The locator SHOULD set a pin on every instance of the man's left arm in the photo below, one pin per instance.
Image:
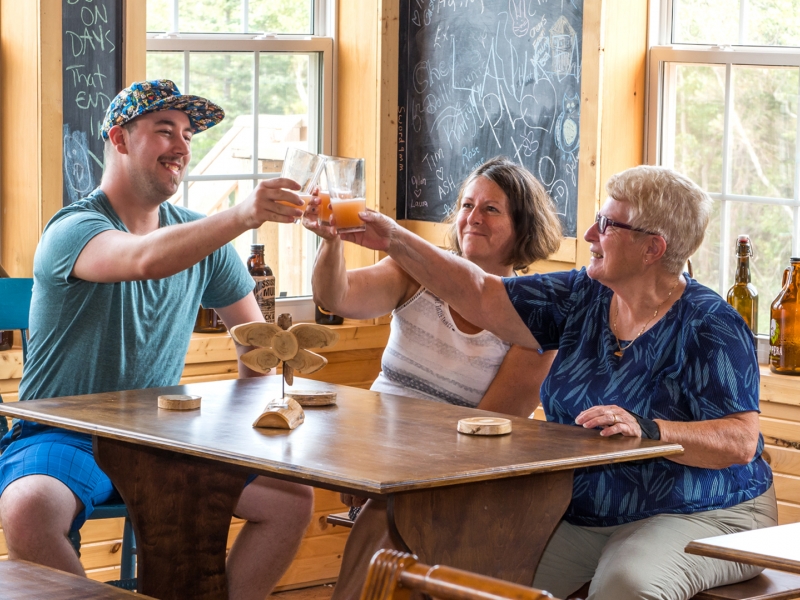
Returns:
(245, 310)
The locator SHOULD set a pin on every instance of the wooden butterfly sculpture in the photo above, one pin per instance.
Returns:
(287, 343)
(284, 342)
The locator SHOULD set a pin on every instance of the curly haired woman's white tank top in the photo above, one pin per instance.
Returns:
(428, 357)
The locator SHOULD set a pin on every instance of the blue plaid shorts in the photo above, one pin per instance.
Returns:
(65, 455)
(68, 457)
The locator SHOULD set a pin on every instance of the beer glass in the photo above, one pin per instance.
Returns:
(347, 186)
(304, 168)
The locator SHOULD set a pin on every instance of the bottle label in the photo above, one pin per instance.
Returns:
(265, 296)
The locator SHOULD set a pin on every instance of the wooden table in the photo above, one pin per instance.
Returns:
(482, 504)
(772, 547)
(23, 580)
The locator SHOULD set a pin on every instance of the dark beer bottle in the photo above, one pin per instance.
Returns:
(265, 282)
(743, 296)
(784, 326)
(6, 337)
(323, 317)
(208, 321)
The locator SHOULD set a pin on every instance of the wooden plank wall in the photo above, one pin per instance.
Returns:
(780, 426)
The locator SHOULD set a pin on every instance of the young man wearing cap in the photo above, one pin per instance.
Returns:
(118, 277)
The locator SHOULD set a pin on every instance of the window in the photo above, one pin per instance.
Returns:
(269, 67)
(724, 82)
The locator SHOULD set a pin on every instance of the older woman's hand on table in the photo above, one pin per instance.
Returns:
(612, 419)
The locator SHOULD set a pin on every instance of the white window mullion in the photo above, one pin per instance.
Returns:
(175, 17)
(669, 110)
(186, 59)
(743, 6)
(795, 210)
(725, 224)
(256, 121)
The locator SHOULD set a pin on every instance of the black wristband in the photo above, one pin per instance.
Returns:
(650, 430)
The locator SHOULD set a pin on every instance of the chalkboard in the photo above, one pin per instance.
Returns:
(481, 78)
(92, 63)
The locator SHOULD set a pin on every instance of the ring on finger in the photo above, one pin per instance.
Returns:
(614, 416)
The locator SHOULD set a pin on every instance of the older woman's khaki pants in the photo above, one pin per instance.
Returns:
(645, 559)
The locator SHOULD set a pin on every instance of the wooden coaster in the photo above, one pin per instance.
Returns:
(179, 402)
(312, 398)
(484, 426)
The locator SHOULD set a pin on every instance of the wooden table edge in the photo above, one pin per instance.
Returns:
(750, 558)
(337, 483)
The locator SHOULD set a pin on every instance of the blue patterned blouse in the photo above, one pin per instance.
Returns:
(696, 363)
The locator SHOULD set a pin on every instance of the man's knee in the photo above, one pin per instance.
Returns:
(274, 501)
(36, 505)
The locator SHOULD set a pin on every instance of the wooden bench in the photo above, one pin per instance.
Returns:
(27, 581)
(770, 585)
(392, 575)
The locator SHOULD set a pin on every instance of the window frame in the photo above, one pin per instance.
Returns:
(663, 58)
(322, 21)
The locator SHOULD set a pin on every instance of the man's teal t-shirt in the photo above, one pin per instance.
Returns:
(99, 337)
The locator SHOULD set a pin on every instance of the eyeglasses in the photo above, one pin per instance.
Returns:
(604, 222)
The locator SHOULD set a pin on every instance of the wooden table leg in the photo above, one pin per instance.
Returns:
(180, 507)
(497, 528)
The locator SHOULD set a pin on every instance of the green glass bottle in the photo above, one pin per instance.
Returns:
(743, 296)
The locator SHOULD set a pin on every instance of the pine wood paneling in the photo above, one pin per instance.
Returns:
(781, 389)
(783, 460)
(20, 126)
(357, 97)
(787, 487)
(780, 430)
(592, 62)
(134, 42)
(788, 512)
(779, 411)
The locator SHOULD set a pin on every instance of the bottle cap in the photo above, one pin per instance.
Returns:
(795, 259)
(743, 239)
(256, 248)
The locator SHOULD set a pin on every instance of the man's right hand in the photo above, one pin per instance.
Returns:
(262, 204)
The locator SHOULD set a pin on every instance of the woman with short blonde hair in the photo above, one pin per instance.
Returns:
(644, 351)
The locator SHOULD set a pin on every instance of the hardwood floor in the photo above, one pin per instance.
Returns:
(318, 592)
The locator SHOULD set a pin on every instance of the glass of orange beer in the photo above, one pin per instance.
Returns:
(347, 186)
(304, 168)
(325, 211)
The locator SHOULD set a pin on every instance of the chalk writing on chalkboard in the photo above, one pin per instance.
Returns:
(481, 78)
(92, 62)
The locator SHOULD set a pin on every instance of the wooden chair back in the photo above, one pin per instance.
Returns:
(394, 575)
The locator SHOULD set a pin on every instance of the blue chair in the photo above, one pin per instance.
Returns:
(15, 303)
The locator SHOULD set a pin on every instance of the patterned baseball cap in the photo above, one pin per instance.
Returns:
(160, 94)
